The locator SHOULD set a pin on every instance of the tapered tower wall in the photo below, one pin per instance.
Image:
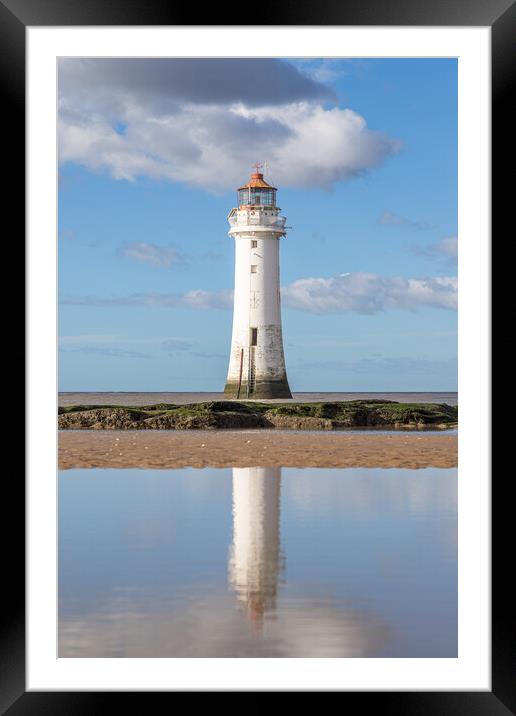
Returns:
(257, 305)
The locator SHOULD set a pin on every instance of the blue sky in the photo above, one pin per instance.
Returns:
(364, 155)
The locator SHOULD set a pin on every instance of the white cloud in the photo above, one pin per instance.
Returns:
(324, 70)
(162, 83)
(325, 146)
(369, 293)
(392, 220)
(151, 124)
(446, 248)
(196, 298)
(364, 293)
(208, 299)
(143, 252)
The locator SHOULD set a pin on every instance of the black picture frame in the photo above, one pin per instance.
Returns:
(15, 16)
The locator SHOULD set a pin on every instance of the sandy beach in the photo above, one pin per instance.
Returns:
(247, 448)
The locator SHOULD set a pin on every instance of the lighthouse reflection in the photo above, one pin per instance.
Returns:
(190, 563)
(255, 559)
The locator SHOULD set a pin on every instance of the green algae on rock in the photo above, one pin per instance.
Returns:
(233, 415)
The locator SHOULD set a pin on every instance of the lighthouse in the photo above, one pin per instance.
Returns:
(257, 362)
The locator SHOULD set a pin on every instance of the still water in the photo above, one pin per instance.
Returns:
(258, 562)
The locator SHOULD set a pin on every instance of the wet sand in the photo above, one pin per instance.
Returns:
(250, 448)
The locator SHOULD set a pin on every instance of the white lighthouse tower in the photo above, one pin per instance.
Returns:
(257, 362)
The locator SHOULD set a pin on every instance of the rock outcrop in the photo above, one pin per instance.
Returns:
(240, 415)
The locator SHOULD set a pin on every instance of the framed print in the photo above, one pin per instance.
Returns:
(267, 476)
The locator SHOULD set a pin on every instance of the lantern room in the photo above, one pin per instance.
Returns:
(257, 192)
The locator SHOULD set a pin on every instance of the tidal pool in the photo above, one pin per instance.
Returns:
(258, 562)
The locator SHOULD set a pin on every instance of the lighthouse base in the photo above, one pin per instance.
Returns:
(274, 389)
